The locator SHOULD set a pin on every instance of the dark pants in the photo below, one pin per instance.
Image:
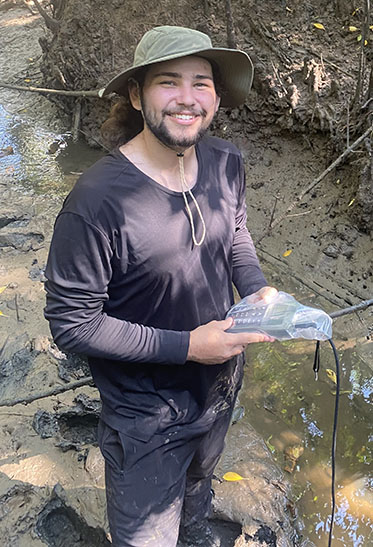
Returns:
(151, 485)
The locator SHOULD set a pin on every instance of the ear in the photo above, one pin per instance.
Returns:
(134, 94)
(217, 103)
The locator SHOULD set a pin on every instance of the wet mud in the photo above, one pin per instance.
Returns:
(51, 470)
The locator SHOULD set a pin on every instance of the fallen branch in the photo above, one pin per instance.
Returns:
(351, 309)
(76, 119)
(42, 395)
(314, 183)
(68, 93)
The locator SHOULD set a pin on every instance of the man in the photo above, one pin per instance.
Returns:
(140, 275)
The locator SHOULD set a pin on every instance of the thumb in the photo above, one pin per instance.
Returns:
(226, 323)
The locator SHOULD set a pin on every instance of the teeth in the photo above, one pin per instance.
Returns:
(183, 116)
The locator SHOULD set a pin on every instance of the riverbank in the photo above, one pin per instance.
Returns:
(51, 472)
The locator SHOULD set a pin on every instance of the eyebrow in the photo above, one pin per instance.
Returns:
(178, 75)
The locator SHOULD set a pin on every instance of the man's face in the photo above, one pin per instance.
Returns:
(179, 101)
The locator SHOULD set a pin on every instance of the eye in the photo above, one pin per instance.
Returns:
(168, 82)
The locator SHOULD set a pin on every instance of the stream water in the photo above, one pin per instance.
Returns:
(280, 397)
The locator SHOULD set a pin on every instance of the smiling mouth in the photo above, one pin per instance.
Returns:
(184, 117)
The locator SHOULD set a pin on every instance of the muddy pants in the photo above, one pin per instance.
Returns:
(151, 485)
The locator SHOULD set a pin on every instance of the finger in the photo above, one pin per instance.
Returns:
(225, 324)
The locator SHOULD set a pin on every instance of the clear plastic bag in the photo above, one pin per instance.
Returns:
(283, 318)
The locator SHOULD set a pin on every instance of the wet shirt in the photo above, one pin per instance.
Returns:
(125, 283)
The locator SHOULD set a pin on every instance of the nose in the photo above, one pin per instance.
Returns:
(186, 95)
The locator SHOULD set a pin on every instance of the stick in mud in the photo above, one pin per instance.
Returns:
(315, 183)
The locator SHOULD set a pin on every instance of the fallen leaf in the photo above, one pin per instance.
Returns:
(270, 446)
(288, 9)
(331, 375)
(353, 29)
(319, 25)
(351, 202)
(231, 476)
(359, 38)
(27, 80)
(3, 314)
(2, 289)
(287, 253)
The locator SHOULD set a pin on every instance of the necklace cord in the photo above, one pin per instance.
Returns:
(184, 188)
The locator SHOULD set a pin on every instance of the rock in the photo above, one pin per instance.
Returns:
(21, 241)
(262, 502)
(59, 524)
(332, 251)
(95, 466)
(45, 424)
(72, 427)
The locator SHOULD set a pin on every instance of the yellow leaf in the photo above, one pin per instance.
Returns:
(27, 80)
(351, 202)
(288, 9)
(319, 25)
(331, 375)
(3, 314)
(2, 289)
(315, 498)
(353, 29)
(232, 476)
(371, 27)
(359, 38)
(287, 253)
(365, 42)
(30, 59)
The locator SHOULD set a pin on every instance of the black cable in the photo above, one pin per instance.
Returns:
(334, 438)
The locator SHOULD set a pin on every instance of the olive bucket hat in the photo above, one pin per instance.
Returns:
(168, 42)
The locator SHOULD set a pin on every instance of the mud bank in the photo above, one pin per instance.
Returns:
(51, 470)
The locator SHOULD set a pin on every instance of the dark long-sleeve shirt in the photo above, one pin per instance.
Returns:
(125, 284)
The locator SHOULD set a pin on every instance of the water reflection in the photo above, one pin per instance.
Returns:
(286, 405)
(42, 162)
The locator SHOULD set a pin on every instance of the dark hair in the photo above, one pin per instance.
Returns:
(125, 122)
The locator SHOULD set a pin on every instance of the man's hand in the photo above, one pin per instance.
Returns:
(265, 293)
(210, 345)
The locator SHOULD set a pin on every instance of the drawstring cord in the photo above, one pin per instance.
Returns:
(184, 188)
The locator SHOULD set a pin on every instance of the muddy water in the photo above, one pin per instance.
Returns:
(42, 161)
(280, 397)
(294, 413)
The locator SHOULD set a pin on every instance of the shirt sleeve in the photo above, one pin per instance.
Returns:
(247, 274)
(78, 273)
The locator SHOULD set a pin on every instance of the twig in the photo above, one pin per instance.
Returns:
(16, 306)
(360, 77)
(273, 212)
(49, 393)
(300, 214)
(231, 37)
(351, 309)
(68, 93)
(50, 22)
(314, 183)
(76, 119)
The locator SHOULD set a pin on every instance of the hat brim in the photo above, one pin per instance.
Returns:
(236, 70)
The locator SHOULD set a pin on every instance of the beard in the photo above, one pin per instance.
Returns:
(162, 133)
